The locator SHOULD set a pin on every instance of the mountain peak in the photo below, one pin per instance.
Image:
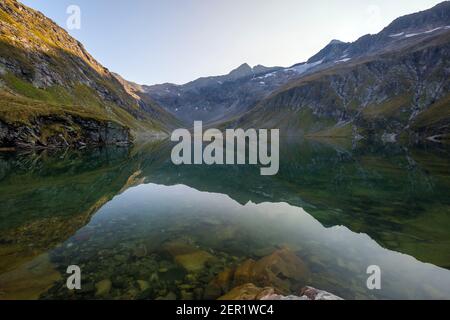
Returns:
(242, 71)
(335, 41)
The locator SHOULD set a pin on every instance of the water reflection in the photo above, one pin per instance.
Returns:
(124, 214)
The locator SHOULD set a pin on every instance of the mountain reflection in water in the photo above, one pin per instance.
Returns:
(123, 215)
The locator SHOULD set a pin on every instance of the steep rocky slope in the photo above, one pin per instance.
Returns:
(387, 86)
(54, 93)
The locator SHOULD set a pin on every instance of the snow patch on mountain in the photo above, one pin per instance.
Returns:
(409, 35)
(304, 67)
(343, 60)
(397, 35)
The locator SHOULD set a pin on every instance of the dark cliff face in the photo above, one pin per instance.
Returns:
(58, 132)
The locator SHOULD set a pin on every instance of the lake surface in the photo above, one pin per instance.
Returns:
(140, 227)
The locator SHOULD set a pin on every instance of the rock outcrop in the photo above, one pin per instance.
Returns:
(390, 85)
(251, 292)
(282, 270)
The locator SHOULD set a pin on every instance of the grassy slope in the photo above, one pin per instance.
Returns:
(21, 101)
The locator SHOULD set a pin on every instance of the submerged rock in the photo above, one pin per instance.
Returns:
(220, 284)
(283, 270)
(140, 251)
(103, 288)
(248, 292)
(315, 294)
(189, 257)
(170, 296)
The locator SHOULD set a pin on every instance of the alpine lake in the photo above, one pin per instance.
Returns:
(140, 227)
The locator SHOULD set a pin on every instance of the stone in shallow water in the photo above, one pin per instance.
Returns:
(251, 292)
(103, 288)
(219, 285)
(170, 296)
(140, 251)
(194, 261)
(186, 295)
(282, 270)
(248, 292)
(244, 272)
(143, 285)
(188, 256)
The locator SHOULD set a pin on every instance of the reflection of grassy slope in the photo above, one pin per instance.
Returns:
(46, 199)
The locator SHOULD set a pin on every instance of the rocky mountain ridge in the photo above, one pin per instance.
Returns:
(401, 94)
(375, 80)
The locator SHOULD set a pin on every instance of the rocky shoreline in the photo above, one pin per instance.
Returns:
(62, 132)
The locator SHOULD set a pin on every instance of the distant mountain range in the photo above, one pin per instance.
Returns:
(389, 86)
(215, 98)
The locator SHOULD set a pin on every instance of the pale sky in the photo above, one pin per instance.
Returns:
(157, 41)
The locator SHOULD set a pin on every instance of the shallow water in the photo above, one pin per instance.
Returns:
(142, 228)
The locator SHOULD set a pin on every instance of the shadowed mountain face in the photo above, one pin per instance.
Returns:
(387, 86)
(54, 93)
